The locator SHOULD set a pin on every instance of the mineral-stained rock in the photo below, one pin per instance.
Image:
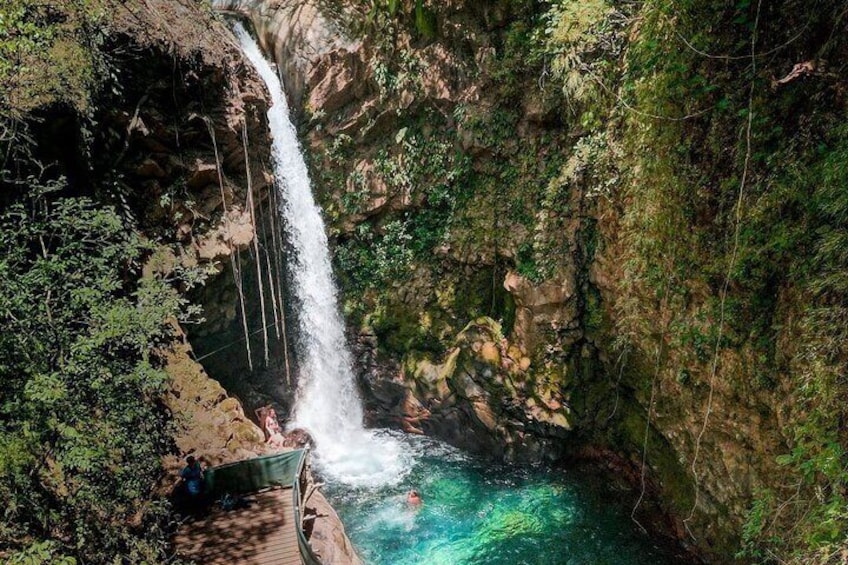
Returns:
(548, 304)
(235, 230)
(475, 400)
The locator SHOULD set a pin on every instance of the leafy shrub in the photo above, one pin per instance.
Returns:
(81, 429)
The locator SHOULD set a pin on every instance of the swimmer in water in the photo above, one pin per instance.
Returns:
(413, 498)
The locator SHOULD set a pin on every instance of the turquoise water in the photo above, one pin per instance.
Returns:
(476, 512)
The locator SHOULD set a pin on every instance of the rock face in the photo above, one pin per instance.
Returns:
(211, 425)
(480, 397)
(550, 304)
(190, 159)
(299, 36)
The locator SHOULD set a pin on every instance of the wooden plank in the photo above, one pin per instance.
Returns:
(288, 549)
(288, 555)
(262, 534)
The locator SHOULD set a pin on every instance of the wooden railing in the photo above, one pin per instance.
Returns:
(302, 485)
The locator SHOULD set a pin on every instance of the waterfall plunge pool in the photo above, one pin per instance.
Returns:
(478, 512)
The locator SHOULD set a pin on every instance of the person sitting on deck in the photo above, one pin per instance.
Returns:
(413, 498)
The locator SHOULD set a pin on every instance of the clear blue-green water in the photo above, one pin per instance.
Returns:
(477, 512)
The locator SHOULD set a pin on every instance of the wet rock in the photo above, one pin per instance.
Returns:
(327, 535)
(477, 397)
(298, 438)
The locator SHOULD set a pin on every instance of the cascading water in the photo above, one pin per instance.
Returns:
(327, 402)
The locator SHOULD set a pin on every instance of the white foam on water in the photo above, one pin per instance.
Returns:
(327, 402)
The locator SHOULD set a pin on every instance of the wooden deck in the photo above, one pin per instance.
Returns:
(262, 534)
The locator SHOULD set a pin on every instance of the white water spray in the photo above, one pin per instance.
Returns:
(327, 403)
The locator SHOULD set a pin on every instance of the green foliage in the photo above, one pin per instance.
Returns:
(41, 553)
(372, 259)
(81, 431)
(422, 171)
(49, 53)
(399, 74)
(526, 265)
(514, 60)
(420, 14)
(818, 460)
(684, 118)
(425, 20)
(583, 40)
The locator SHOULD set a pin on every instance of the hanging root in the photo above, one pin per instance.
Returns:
(235, 259)
(730, 266)
(621, 361)
(226, 346)
(268, 270)
(211, 129)
(280, 295)
(255, 240)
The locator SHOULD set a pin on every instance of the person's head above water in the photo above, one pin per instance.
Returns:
(413, 497)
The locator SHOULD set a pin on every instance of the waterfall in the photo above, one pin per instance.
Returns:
(327, 402)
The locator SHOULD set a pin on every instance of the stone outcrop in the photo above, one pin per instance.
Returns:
(551, 305)
(210, 424)
(480, 396)
(326, 535)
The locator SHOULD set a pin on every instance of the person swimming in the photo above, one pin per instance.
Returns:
(413, 498)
